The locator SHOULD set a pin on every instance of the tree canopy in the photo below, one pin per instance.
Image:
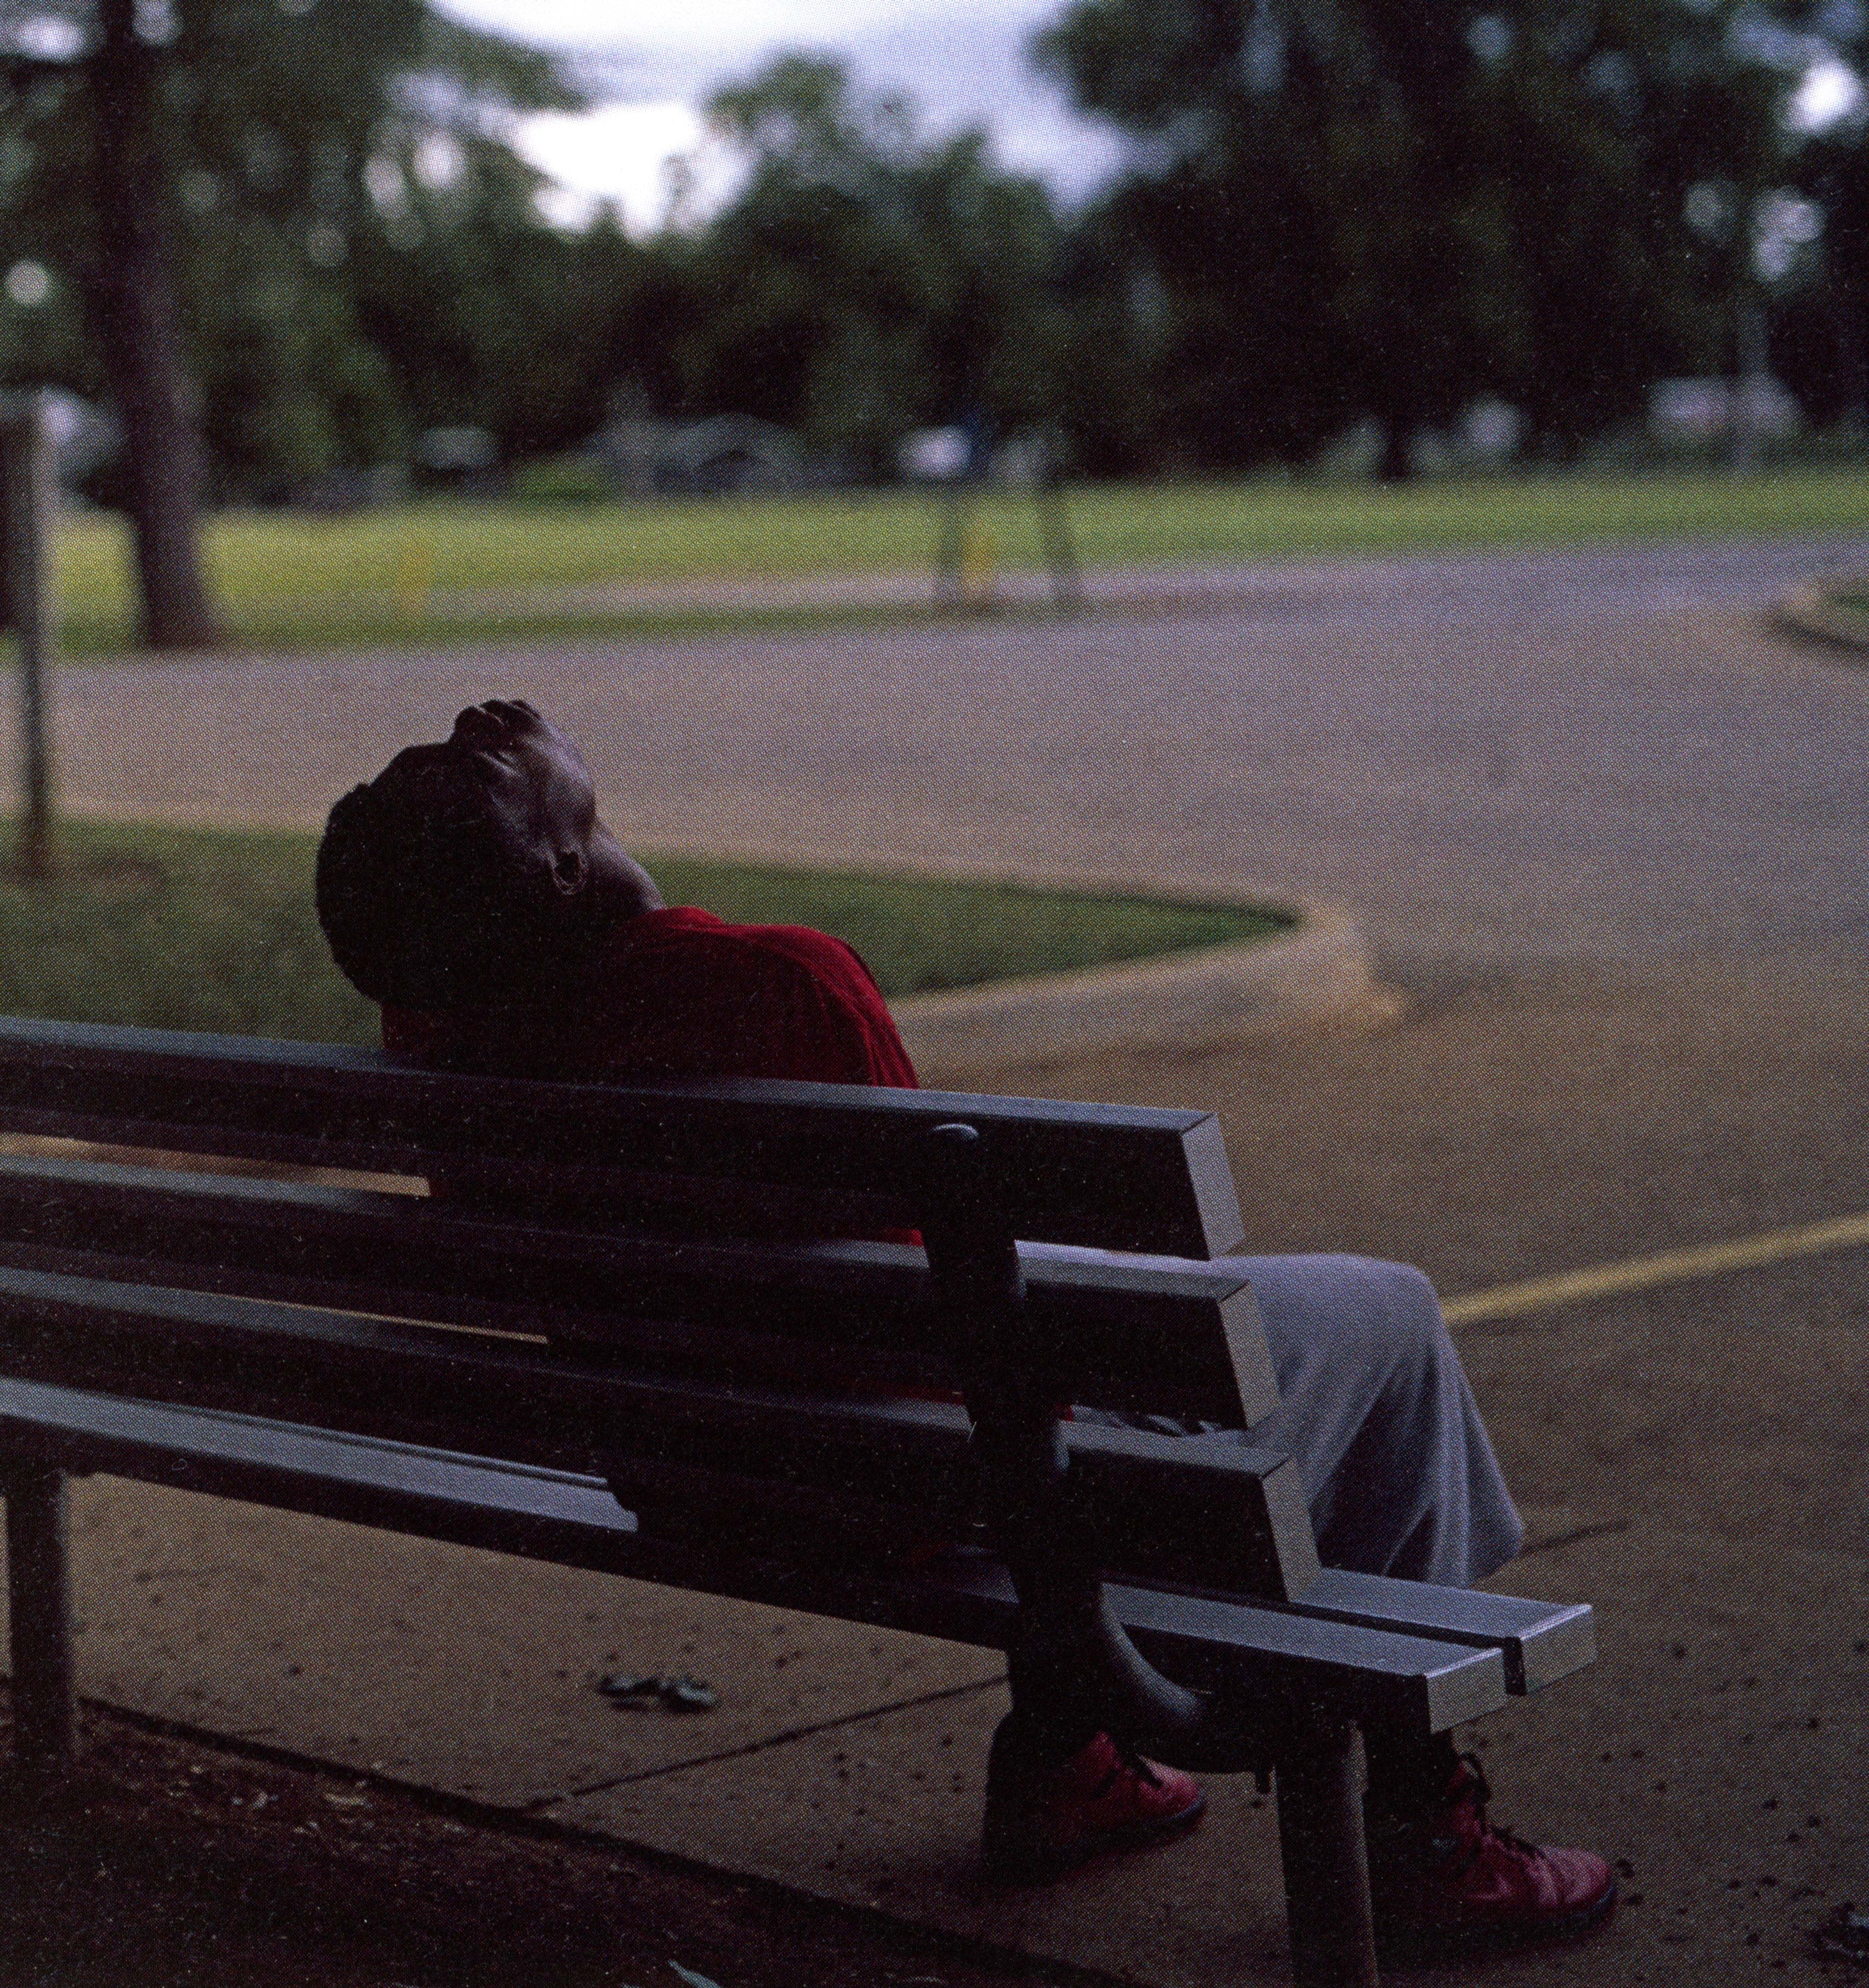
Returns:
(1386, 207)
(864, 281)
(322, 173)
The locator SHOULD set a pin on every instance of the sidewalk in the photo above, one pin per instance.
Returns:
(847, 1763)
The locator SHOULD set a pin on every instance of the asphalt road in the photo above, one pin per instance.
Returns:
(1606, 754)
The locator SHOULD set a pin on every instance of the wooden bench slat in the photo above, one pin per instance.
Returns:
(502, 1362)
(1163, 1335)
(1116, 1177)
(1289, 1661)
(1437, 1685)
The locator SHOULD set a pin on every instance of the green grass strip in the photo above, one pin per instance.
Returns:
(214, 929)
(419, 571)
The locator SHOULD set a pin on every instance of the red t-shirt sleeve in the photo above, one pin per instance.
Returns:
(836, 1027)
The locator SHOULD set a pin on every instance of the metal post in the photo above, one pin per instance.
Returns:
(951, 550)
(38, 1593)
(1320, 1782)
(1751, 368)
(1071, 1665)
(1055, 531)
(25, 505)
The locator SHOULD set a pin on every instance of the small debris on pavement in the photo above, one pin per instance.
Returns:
(625, 1686)
(1844, 1935)
(676, 1694)
(689, 1694)
(688, 1975)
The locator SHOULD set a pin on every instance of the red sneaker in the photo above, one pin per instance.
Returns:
(1452, 1883)
(1103, 1798)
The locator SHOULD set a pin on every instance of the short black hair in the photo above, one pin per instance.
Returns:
(419, 897)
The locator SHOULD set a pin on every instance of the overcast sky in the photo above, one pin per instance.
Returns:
(963, 61)
(652, 65)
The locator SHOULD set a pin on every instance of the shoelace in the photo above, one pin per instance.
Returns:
(1127, 1760)
(1480, 1794)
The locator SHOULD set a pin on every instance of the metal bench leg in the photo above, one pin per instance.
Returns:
(38, 1593)
(1320, 1781)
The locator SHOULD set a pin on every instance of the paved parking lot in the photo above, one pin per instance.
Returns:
(1603, 755)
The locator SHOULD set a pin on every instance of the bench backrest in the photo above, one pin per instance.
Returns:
(640, 1270)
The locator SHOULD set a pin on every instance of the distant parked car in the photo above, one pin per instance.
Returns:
(936, 456)
(1707, 410)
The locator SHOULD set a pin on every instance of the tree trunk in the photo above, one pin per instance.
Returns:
(131, 292)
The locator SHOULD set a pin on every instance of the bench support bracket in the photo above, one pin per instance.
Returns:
(1072, 1665)
(39, 1594)
(1320, 1782)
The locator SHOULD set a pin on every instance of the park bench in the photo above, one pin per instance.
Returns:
(604, 1343)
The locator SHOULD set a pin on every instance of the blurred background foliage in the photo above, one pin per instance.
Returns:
(1334, 212)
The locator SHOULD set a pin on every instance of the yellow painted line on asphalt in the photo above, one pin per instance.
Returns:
(1671, 1266)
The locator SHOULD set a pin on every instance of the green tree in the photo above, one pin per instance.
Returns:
(1820, 327)
(865, 281)
(199, 174)
(485, 316)
(1382, 207)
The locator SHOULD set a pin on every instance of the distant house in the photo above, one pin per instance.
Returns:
(463, 460)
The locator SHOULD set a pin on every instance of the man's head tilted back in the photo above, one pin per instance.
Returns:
(474, 872)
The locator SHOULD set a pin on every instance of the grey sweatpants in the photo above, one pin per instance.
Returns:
(1397, 1469)
(1377, 1412)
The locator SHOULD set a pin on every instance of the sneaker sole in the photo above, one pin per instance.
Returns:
(1028, 1868)
(1463, 1941)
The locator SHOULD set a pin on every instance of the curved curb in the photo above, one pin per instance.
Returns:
(1811, 611)
(1319, 973)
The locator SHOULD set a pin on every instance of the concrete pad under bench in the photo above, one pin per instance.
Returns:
(447, 1667)
(1729, 1705)
(1209, 1912)
(470, 1673)
(886, 1814)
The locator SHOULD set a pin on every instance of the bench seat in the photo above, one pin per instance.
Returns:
(1422, 1681)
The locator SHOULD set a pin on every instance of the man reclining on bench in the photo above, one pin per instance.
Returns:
(471, 890)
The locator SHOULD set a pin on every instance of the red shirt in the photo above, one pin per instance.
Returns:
(685, 995)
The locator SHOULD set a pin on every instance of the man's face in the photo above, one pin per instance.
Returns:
(537, 792)
(532, 880)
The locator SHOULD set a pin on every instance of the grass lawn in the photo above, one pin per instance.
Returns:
(214, 929)
(445, 568)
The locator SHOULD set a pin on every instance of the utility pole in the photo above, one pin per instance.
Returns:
(1752, 372)
(25, 605)
(1054, 526)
